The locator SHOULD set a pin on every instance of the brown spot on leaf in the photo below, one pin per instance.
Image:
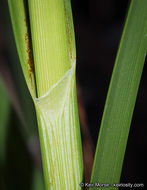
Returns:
(25, 20)
(28, 50)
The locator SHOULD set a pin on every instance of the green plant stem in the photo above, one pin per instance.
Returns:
(121, 97)
(49, 40)
(53, 56)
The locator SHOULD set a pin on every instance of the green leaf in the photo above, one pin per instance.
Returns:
(121, 97)
(20, 24)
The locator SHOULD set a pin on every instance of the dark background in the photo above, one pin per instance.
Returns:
(98, 26)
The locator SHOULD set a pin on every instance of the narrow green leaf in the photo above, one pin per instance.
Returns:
(121, 97)
(20, 23)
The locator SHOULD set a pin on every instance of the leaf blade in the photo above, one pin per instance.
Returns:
(121, 97)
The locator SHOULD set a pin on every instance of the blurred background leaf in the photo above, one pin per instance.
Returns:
(4, 120)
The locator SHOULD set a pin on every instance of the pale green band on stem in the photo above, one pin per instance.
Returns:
(59, 131)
